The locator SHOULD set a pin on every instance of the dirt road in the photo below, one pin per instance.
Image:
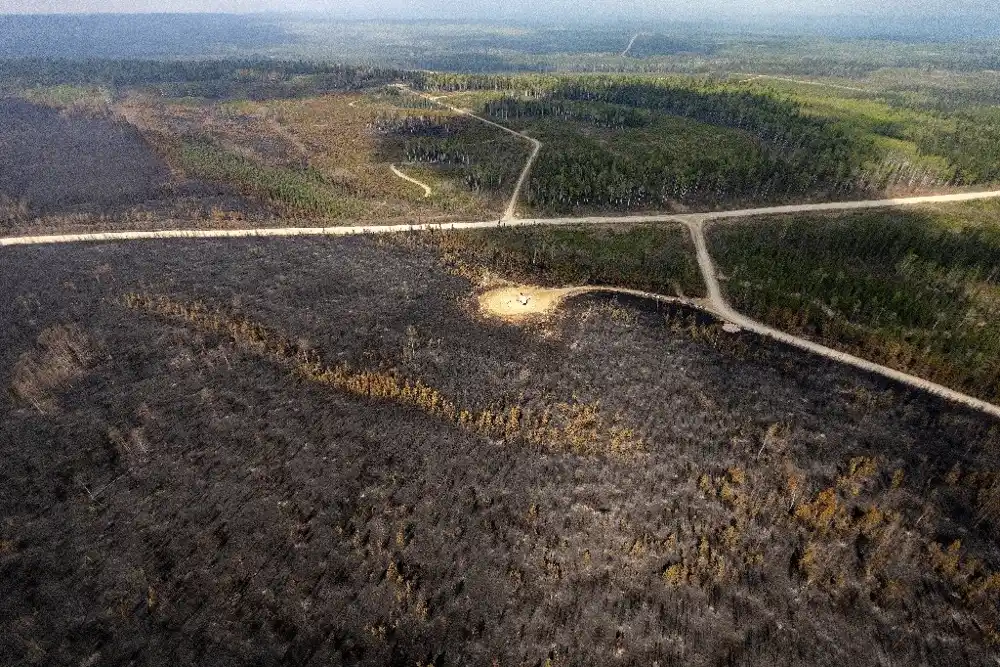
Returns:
(487, 224)
(630, 45)
(427, 189)
(718, 304)
(536, 147)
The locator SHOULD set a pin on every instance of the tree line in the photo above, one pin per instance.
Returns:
(134, 72)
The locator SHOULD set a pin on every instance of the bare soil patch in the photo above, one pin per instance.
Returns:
(516, 303)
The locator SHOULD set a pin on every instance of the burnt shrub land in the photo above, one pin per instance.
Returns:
(318, 452)
(50, 161)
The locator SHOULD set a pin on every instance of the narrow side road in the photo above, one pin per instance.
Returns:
(630, 45)
(427, 189)
(755, 77)
(536, 148)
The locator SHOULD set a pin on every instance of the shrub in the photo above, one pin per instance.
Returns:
(62, 356)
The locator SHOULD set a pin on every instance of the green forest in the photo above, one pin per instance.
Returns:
(616, 142)
(652, 258)
(918, 290)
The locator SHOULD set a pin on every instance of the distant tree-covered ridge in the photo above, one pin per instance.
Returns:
(201, 78)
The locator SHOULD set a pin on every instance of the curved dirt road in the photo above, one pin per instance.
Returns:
(536, 147)
(427, 189)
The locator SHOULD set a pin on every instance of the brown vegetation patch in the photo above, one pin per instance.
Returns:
(243, 128)
(326, 142)
(854, 539)
(580, 428)
(62, 356)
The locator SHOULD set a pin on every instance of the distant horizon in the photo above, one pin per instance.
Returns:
(572, 12)
(768, 17)
(849, 23)
(421, 16)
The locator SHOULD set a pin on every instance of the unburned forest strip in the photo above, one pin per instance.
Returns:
(650, 258)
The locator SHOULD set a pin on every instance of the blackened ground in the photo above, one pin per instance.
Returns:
(53, 161)
(180, 499)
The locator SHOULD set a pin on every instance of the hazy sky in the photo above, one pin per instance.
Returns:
(499, 9)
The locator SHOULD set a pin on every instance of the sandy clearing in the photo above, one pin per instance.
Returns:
(516, 303)
(520, 303)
